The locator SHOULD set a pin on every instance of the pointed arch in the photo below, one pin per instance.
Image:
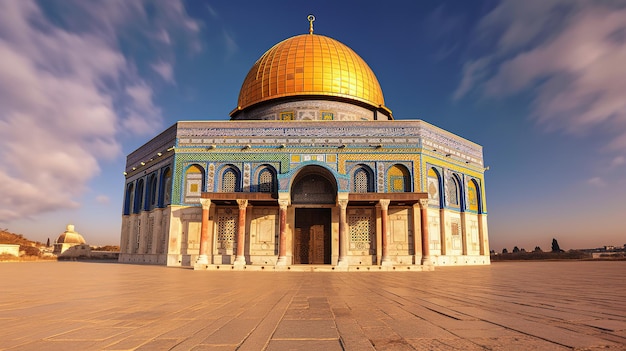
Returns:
(165, 191)
(453, 193)
(230, 181)
(128, 199)
(152, 192)
(398, 179)
(139, 197)
(314, 184)
(363, 179)
(473, 196)
(266, 180)
(434, 187)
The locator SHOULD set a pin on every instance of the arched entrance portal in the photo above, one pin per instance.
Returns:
(313, 195)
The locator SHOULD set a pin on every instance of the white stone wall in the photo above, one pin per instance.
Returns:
(263, 235)
(10, 249)
(144, 236)
(400, 241)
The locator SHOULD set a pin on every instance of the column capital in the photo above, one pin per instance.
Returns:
(242, 204)
(343, 203)
(384, 204)
(206, 203)
(283, 204)
(423, 203)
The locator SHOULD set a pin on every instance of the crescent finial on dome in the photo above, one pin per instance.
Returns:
(311, 19)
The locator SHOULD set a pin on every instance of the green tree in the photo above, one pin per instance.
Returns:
(538, 249)
(505, 251)
(515, 249)
(555, 246)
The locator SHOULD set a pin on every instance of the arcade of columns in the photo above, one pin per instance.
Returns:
(206, 238)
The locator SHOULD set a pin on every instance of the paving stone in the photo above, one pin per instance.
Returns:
(233, 332)
(444, 345)
(352, 336)
(309, 345)
(306, 329)
(607, 324)
(504, 306)
(158, 345)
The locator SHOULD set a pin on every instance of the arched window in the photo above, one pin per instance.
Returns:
(152, 195)
(363, 180)
(194, 178)
(453, 194)
(398, 179)
(166, 188)
(472, 195)
(139, 197)
(230, 180)
(128, 201)
(433, 188)
(267, 181)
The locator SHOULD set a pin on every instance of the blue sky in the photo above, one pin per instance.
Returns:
(540, 84)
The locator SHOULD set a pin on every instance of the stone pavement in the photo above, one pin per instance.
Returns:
(505, 306)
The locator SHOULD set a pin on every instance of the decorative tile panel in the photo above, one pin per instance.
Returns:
(227, 220)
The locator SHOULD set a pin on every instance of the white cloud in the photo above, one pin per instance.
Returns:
(569, 54)
(67, 92)
(165, 70)
(597, 182)
(103, 199)
(618, 161)
(231, 44)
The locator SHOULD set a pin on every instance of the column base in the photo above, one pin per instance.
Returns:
(202, 259)
(240, 262)
(282, 261)
(342, 263)
(386, 263)
(426, 261)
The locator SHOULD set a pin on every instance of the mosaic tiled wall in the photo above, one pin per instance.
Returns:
(311, 110)
(336, 145)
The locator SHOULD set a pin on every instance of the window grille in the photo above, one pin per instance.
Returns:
(229, 181)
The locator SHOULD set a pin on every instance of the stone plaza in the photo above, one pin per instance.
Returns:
(504, 306)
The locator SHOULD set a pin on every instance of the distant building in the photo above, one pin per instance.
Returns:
(71, 244)
(311, 169)
(10, 249)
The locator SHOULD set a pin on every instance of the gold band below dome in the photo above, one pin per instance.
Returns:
(310, 65)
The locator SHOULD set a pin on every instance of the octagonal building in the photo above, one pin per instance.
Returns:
(311, 171)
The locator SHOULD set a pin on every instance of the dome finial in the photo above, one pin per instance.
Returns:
(311, 19)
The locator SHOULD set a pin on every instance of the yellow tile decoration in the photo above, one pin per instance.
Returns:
(331, 158)
(327, 116)
(286, 116)
(472, 197)
(295, 158)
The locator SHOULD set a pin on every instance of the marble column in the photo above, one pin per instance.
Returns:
(464, 238)
(442, 232)
(343, 233)
(203, 257)
(282, 233)
(425, 235)
(481, 236)
(417, 241)
(384, 228)
(240, 259)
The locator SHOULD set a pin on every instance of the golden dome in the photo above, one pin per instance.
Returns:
(310, 65)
